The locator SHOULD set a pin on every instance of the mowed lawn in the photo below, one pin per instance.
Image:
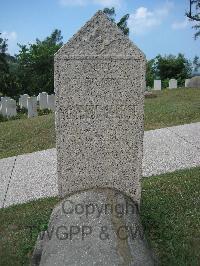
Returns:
(170, 107)
(170, 212)
(27, 135)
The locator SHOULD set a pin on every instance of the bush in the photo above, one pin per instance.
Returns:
(3, 118)
(18, 116)
(149, 94)
(44, 112)
(22, 110)
(165, 83)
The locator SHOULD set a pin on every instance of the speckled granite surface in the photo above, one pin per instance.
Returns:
(99, 86)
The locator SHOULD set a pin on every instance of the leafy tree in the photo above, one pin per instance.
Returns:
(3, 45)
(196, 63)
(122, 24)
(3, 64)
(170, 66)
(35, 64)
(150, 74)
(4, 68)
(11, 86)
(195, 7)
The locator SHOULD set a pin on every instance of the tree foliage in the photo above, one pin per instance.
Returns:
(194, 15)
(150, 75)
(3, 63)
(4, 68)
(31, 70)
(196, 63)
(3, 45)
(168, 67)
(35, 64)
(122, 23)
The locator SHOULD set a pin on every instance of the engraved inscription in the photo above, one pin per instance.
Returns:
(123, 112)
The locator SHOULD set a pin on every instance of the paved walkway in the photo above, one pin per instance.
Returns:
(32, 176)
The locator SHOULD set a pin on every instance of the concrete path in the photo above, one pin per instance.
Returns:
(32, 176)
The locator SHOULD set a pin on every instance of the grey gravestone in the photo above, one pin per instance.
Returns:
(32, 107)
(157, 85)
(51, 102)
(173, 84)
(11, 109)
(3, 105)
(99, 85)
(23, 101)
(194, 82)
(43, 100)
(186, 83)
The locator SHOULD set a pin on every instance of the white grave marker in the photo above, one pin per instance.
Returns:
(3, 105)
(32, 107)
(186, 83)
(23, 101)
(157, 85)
(51, 102)
(11, 108)
(43, 100)
(173, 84)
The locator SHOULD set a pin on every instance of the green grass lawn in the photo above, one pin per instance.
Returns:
(170, 107)
(170, 214)
(27, 135)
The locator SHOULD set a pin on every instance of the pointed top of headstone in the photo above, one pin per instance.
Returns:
(100, 37)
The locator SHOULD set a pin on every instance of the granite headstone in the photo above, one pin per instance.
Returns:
(99, 85)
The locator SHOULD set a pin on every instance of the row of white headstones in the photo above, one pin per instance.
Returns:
(8, 106)
(172, 84)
